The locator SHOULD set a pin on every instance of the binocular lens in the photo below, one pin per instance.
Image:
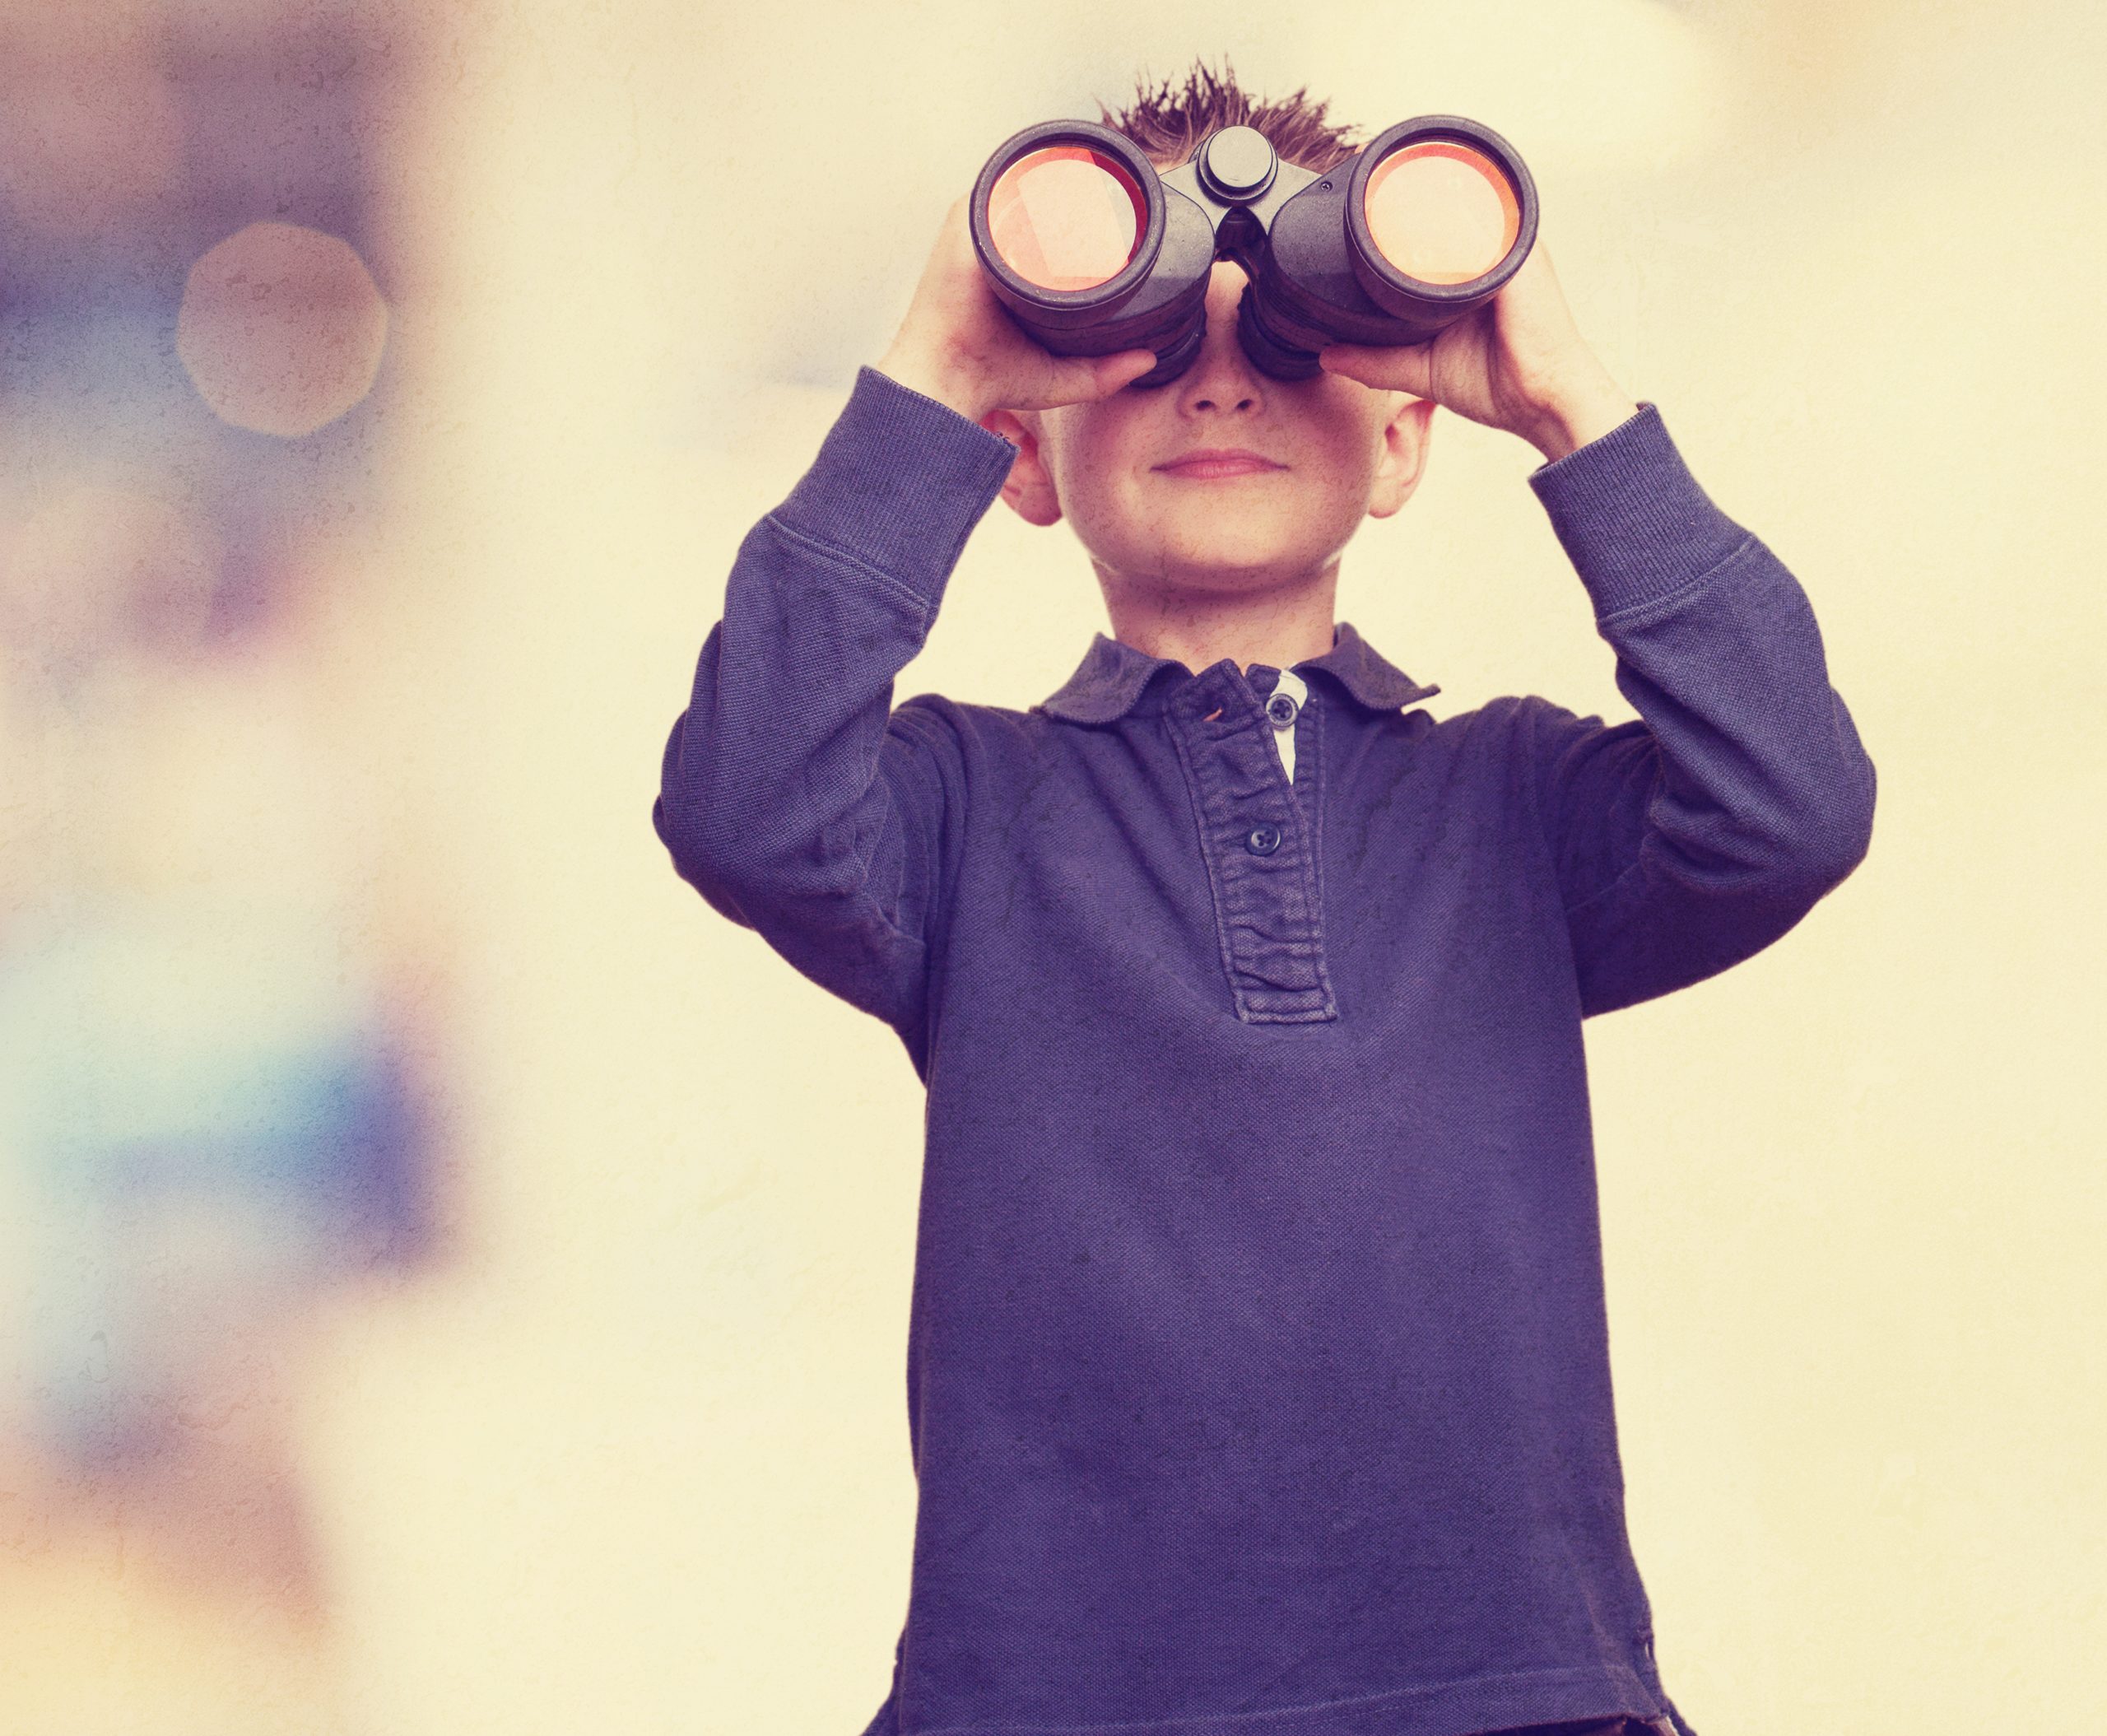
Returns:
(1066, 217)
(1441, 212)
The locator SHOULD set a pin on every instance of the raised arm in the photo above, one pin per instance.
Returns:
(1692, 837)
(1697, 834)
(793, 795)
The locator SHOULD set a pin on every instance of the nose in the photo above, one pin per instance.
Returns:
(1221, 377)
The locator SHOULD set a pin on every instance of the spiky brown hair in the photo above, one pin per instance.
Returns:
(1167, 125)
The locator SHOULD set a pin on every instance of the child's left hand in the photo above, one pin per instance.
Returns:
(1518, 363)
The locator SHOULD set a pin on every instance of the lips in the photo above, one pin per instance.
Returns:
(1208, 461)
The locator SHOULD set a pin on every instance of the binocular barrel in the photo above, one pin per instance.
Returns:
(1092, 251)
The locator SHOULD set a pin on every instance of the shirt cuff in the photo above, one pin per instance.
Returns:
(1630, 515)
(900, 482)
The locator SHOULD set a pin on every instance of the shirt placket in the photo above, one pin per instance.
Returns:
(1258, 844)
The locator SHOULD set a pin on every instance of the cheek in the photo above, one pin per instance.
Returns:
(1347, 434)
(1093, 474)
(1349, 469)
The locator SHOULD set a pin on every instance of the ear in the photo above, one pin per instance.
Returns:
(1029, 489)
(1403, 459)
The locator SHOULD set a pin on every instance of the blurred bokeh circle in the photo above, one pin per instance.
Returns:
(281, 329)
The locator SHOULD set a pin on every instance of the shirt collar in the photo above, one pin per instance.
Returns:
(1114, 676)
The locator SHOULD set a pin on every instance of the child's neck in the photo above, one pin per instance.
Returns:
(1278, 628)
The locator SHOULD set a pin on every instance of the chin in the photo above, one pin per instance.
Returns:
(1188, 552)
(1197, 540)
(1226, 568)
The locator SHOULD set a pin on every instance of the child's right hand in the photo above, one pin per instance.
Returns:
(958, 346)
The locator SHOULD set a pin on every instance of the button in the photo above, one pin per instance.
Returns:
(1281, 709)
(1262, 840)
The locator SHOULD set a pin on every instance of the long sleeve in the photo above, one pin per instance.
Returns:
(1693, 837)
(793, 795)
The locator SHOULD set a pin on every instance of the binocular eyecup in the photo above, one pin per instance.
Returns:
(1091, 250)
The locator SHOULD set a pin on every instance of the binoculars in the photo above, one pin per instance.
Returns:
(1091, 251)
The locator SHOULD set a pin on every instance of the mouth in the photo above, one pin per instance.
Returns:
(1215, 464)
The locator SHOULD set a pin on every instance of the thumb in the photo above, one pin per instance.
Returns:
(1407, 367)
(1110, 373)
(1082, 379)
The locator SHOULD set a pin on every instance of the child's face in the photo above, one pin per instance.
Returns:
(1346, 452)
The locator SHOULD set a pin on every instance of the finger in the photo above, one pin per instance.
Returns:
(1402, 369)
(1123, 369)
(1106, 374)
(1084, 378)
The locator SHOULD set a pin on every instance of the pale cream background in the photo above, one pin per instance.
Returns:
(642, 1465)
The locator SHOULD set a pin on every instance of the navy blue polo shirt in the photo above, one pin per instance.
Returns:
(1257, 1378)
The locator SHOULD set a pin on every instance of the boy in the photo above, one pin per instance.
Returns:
(1258, 1372)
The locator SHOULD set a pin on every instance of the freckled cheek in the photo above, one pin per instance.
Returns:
(1111, 514)
(1348, 477)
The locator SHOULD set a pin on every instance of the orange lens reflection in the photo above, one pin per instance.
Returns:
(1065, 218)
(1441, 212)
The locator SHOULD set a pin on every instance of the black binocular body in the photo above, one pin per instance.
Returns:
(1092, 251)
